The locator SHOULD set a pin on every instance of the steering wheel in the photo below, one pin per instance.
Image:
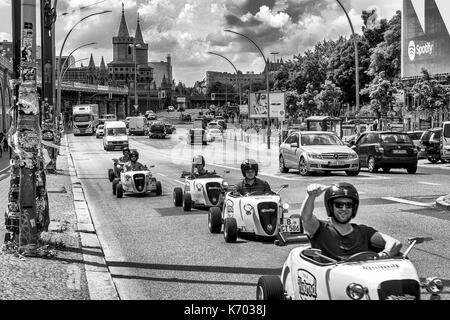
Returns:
(362, 256)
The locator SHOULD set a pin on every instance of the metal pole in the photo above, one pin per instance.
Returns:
(267, 84)
(136, 102)
(355, 43)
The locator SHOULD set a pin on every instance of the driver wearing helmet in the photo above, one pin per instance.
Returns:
(251, 184)
(133, 164)
(337, 237)
(198, 166)
(126, 155)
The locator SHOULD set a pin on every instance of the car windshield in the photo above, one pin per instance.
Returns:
(320, 140)
(415, 135)
(85, 118)
(117, 132)
(396, 138)
(447, 131)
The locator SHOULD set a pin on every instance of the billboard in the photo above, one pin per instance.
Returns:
(425, 37)
(258, 105)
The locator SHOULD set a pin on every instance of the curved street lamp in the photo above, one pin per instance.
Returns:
(237, 74)
(355, 42)
(58, 66)
(136, 98)
(68, 67)
(267, 84)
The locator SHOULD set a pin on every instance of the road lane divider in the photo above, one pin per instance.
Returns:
(429, 183)
(414, 203)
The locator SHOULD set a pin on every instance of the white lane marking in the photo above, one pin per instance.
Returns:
(162, 174)
(4, 170)
(178, 181)
(414, 203)
(429, 183)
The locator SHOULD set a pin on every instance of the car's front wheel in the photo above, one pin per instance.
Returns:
(230, 230)
(303, 167)
(283, 168)
(119, 190)
(433, 159)
(158, 188)
(269, 288)
(187, 203)
(111, 175)
(215, 220)
(371, 165)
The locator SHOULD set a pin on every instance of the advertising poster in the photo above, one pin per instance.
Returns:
(258, 105)
(425, 37)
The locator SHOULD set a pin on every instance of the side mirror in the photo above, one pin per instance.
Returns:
(353, 147)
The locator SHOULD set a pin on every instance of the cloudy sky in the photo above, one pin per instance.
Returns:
(187, 29)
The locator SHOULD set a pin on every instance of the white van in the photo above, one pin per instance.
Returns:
(138, 125)
(445, 152)
(115, 135)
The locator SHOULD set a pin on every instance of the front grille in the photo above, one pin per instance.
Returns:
(139, 182)
(117, 142)
(268, 215)
(335, 156)
(82, 126)
(213, 189)
(399, 290)
(325, 166)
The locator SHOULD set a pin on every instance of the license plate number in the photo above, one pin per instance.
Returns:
(399, 151)
(337, 163)
(290, 225)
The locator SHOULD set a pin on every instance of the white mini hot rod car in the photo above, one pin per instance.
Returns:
(307, 274)
(262, 215)
(136, 182)
(201, 192)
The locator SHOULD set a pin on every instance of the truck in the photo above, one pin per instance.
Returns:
(137, 125)
(85, 119)
(107, 117)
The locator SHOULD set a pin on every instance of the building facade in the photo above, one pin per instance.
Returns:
(130, 62)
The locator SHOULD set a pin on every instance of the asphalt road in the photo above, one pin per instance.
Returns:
(156, 251)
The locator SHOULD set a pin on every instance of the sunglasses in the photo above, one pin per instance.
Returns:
(340, 205)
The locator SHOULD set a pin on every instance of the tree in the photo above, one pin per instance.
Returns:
(307, 103)
(432, 94)
(329, 99)
(380, 92)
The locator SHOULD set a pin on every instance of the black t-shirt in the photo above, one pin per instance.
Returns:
(258, 187)
(337, 246)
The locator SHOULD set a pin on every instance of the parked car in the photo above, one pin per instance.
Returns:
(350, 140)
(430, 145)
(415, 137)
(310, 151)
(100, 131)
(170, 109)
(386, 150)
(151, 115)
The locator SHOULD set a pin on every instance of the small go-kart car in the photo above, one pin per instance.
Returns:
(307, 274)
(201, 192)
(262, 215)
(117, 169)
(136, 182)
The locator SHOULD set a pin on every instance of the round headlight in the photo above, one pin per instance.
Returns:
(127, 177)
(356, 291)
(286, 206)
(199, 186)
(248, 207)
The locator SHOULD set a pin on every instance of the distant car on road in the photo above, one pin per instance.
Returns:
(186, 118)
(100, 131)
(157, 130)
(170, 109)
(386, 150)
(170, 128)
(151, 115)
(214, 135)
(310, 151)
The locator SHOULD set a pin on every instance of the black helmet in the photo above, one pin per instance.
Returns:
(249, 164)
(125, 149)
(198, 160)
(134, 153)
(341, 190)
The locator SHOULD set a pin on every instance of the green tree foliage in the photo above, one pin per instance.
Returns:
(380, 91)
(432, 93)
(329, 99)
(307, 105)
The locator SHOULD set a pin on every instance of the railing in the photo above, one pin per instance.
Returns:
(96, 87)
(4, 63)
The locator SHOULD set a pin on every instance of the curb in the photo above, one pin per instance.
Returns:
(100, 283)
(441, 203)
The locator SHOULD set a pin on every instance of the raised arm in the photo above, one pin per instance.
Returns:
(310, 222)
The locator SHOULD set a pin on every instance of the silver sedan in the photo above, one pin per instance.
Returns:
(309, 151)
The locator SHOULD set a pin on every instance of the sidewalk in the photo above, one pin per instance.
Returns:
(58, 273)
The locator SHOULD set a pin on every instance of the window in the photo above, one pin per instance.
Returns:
(320, 140)
(447, 130)
(396, 138)
(372, 138)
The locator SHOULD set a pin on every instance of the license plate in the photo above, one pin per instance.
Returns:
(290, 225)
(337, 163)
(399, 151)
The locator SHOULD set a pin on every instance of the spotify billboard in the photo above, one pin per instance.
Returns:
(425, 37)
